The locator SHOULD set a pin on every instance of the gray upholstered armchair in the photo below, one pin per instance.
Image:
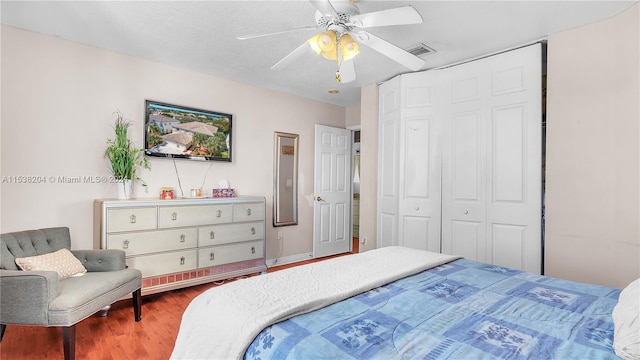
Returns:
(40, 298)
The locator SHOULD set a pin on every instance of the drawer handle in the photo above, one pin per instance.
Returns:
(132, 219)
(212, 256)
(253, 250)
(249, 212)
(182, 238)
(212, 235)
(182, 260)
(125, 244)
(174, 216)
(219, 213)
(253, 230)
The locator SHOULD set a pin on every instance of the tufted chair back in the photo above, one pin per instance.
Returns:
(31, 243)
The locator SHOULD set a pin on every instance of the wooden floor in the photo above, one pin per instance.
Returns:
(116, 336)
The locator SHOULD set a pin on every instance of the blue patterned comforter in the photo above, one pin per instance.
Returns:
(460, 310)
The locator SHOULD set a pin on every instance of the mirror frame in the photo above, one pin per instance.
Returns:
(278, 176)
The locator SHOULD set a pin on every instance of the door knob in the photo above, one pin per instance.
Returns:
(318, 198)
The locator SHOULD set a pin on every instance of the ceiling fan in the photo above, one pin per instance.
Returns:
(341, 24)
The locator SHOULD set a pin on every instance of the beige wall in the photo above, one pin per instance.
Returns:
(352, 120)
(57, 103)
(593, 152)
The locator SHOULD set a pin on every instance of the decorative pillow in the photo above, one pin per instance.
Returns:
(62, 261)
(626, 322)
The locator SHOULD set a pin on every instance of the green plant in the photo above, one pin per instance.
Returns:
(124, 157)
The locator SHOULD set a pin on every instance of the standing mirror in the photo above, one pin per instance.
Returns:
(285, 179)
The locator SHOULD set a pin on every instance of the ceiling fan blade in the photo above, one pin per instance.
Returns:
(253, 36)
(399, 16)
(293, 56)
(347, 71)
(325, 7)
(388, 49)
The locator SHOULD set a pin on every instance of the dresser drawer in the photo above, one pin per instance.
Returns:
(165, 263)
(225, 254)
(153, 241)
(230, 233)
(131, 219)
(248, 212)
(178, 216)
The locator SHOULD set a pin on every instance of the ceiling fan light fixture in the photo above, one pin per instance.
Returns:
(327, 41)
(325, 44)
(349, 47)
(313, 42)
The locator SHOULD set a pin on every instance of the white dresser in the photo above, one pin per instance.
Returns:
(184, 242)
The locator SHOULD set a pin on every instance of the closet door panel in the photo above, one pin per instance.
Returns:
(515, 150)
(508, 148)
(419, 186)
(466, 239)
(389, 163)
(388, 150)
(387, 229)
(416, 230)
(463, 162)
(388, 192)
(508, 245)
(466, 157)
(463, 185)
(417, 158)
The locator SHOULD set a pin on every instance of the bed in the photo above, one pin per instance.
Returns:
(400, 303)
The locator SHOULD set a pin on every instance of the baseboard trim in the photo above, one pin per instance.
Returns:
(289, 259)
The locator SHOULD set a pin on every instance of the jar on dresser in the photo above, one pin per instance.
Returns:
(184, 242)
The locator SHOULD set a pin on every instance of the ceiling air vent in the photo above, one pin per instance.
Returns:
(420, 50)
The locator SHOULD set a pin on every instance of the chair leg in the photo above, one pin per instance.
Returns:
(3, 327)
(137, 304)
(69, 342)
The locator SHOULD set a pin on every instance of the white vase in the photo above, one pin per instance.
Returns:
(125, 189)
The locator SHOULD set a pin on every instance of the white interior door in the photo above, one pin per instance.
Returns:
(491, 179)
(332, 189)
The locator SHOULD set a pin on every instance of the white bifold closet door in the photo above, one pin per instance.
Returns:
(491, 159)
(459, 160)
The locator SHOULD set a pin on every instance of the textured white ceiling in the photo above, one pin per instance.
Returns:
(202, 35)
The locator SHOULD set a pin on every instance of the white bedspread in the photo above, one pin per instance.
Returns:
(223, 321)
